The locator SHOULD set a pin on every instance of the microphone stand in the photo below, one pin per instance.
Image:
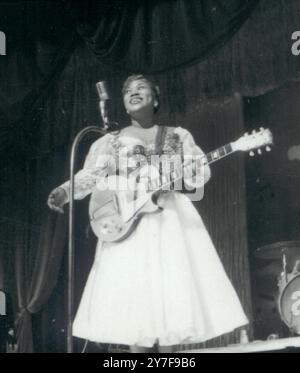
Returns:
(75, 144)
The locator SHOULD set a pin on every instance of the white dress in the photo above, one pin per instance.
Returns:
(164, 283)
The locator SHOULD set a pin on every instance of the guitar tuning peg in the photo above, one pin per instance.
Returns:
(268, 149)
(259, 151)
(261, 128)
(252, 154)
(253, 131)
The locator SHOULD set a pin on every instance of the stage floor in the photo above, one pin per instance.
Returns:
(276, 345)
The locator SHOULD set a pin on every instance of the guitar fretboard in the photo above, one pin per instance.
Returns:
(219, 153)
(168, 178)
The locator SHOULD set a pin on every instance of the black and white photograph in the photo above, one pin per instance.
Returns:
(150, 178)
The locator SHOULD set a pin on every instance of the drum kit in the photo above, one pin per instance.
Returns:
(288, 281)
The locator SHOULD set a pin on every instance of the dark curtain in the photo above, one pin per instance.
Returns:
(273, 180)
(40, 38)
(50, 95)
(134, 35)
(35, 238)
(124, 35)
(256, 59)
(39, 43)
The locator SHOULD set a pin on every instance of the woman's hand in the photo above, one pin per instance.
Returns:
(57, 198)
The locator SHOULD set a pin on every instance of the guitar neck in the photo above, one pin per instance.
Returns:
(219, 153)
(215, 155)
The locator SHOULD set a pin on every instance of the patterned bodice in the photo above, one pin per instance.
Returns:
(136, 152)
(116, 147)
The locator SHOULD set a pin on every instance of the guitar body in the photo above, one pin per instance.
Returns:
(114, 213)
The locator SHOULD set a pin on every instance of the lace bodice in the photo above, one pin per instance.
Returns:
(106, 154)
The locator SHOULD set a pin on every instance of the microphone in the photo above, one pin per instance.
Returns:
(104, 97)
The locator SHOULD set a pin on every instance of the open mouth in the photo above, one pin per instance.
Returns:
(135, 100)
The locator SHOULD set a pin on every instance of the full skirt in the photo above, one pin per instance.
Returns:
(163, 284)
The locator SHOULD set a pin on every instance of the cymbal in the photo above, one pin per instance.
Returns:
(277, 249)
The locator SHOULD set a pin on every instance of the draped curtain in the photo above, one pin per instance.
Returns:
(255, 59)
(134, 35)
(32, 239)
(57, 51)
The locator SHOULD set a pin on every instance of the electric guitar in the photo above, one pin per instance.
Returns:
(116, 209)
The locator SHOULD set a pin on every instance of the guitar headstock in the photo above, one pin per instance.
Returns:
(254, 140)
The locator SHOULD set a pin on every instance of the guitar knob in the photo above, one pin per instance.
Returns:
(268, 149)
(261, 128)
(253, 131)
(252, 154)
(259, 151)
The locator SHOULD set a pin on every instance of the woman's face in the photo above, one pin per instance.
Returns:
(138, 96)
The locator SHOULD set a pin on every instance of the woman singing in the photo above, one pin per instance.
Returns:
(164, 283)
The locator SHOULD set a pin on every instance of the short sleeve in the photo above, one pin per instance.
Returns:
(96, 165)
(191, 151)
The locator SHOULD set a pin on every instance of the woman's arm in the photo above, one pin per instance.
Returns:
(95, 167)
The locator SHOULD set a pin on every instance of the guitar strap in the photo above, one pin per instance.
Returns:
(160, 139)
(159, 143)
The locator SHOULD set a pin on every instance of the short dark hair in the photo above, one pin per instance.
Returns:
(154, 87)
